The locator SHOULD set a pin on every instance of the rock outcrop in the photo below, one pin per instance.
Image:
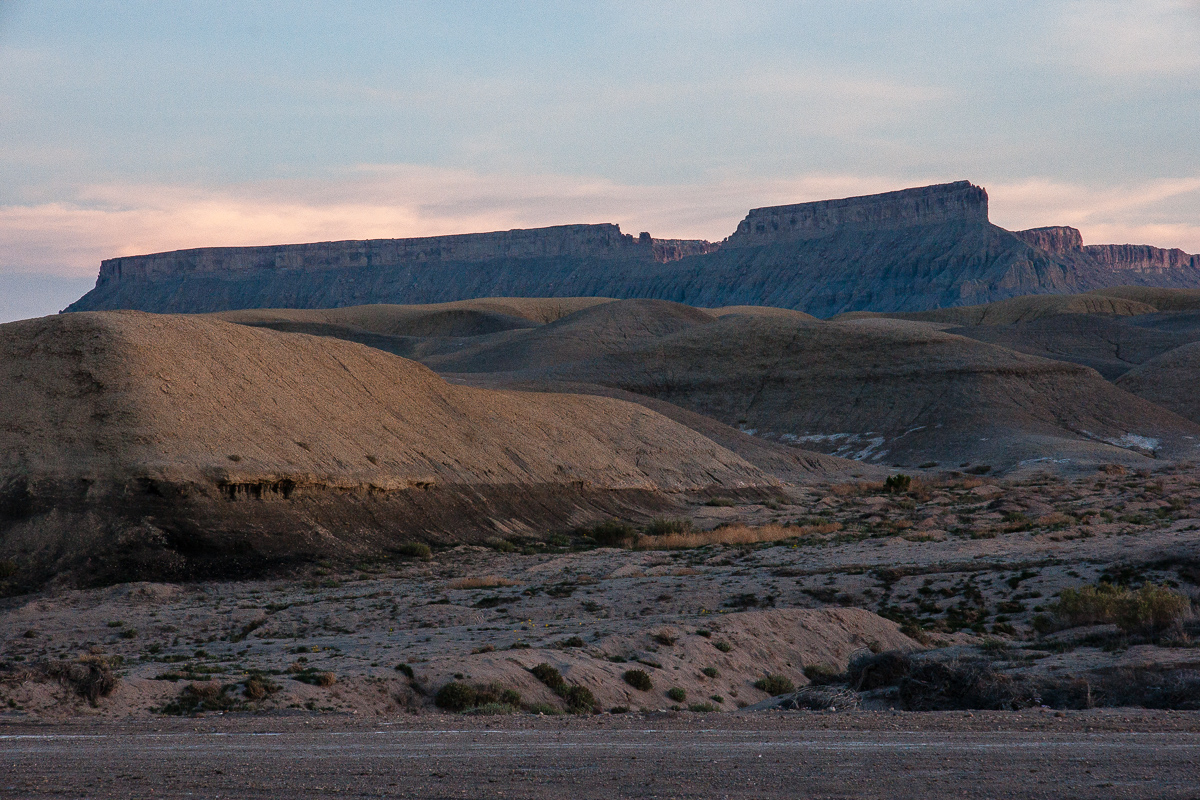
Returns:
(910, 250)
(927, 205)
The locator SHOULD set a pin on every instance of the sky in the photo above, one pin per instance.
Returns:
(134, 127)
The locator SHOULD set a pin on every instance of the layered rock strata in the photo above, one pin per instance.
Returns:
(910, 250)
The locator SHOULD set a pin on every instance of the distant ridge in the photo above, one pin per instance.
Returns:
(909, 250)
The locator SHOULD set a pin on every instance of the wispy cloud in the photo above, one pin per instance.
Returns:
(386, 201)
(1145, 213)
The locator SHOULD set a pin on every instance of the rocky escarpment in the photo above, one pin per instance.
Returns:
(927, 205)
(1171, 265)
(909, 250)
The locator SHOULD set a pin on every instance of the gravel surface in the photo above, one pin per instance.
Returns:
(1039, 753)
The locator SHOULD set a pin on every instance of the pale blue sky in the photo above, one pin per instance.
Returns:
(137, 126)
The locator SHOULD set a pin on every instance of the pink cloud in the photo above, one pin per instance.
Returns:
(384, 201)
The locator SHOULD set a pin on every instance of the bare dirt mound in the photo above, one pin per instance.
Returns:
(787, 463)
(158, 446)
(1170, 380)
(461, 318)
(891, 392)
(606, 328)
(1162, 299)
(1023, 309)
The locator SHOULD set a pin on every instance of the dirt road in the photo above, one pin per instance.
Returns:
(761, 756)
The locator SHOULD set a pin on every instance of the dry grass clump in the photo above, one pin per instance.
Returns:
(481, 582)
(91, 676)
(731, 534)
(1150, 607)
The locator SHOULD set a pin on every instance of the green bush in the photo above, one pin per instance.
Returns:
(405, 670)
(611, 533)
(414, 550)
(775, 685)
(579, 699)
(702, 707)
(724, 647)
(455, 696)
(639, 679)
(898, 483)
(549, 676)
(711, 672)
(677, 694)
(1151, 607)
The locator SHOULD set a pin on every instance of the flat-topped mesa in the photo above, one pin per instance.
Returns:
(1058, 239)
(1063, 240)
(561, 241)
(1141, 258)
(925, 205)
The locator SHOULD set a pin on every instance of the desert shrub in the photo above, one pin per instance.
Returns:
(874, 670)
(661, 526)
(405, 670)
(199, 697)
(702, 708)
(775, 685)
(579, 699)
(258, 687)
(665, 638)
(1150, 607)
(501, 545)
(549, 676)
(611, 533)
(482, 582)
(91, 677)
(414, 550)
(677, 694)
(732, 534)
(510, 696)
(542, 708)
(724, 647)
(711, 672)
(573, 641)
(821, 674)
(897, 484)
(8, 568)
(947, 685)
(455, 696)
(707, 634)
(638, 679)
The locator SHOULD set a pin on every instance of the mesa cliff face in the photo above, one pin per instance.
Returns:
(927, 205)
(910, 250)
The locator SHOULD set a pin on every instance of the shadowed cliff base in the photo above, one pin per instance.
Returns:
(910, 250)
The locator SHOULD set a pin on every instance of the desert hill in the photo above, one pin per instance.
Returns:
(166, 446)
(909, 250)
(1170, 380)
(1110, 330)
(882, 390)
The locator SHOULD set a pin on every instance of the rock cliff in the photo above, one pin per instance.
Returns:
(927, 205)
(910, 250)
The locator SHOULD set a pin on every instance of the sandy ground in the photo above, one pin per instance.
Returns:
(964, 563)
(986, 755)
